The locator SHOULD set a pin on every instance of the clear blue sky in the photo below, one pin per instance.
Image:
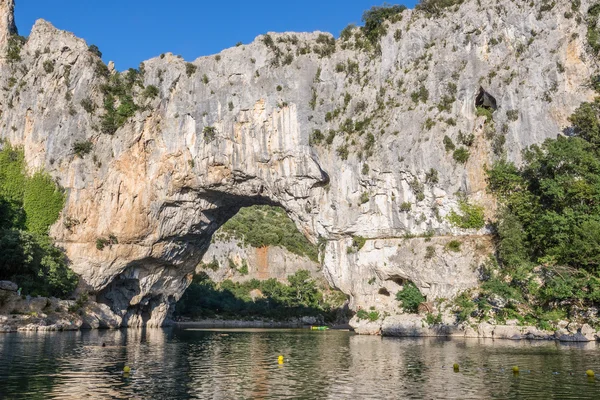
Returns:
(131, 31)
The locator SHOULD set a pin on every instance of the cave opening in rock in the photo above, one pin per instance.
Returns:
(485, 100)
(244, 258)
(259, 265)
(137, 293)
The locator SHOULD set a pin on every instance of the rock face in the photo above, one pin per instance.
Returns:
(261, 263)
(25, 313)
(163, 183)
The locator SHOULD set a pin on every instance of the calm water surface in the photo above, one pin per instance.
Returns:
(242, 364)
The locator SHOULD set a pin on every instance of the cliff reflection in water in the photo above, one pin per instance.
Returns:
(243, 364)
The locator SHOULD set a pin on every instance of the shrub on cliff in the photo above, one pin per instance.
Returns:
(411, 297)
(436, 6)
(28, 207)
(375, 19)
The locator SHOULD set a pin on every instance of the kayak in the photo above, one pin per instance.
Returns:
(319, 328)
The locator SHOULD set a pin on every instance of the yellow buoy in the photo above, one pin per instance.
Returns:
(126, 369)
(589, 373)
(456, 368)
(515, 370)
(280, 359)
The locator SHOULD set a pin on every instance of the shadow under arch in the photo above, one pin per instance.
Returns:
(146, 290)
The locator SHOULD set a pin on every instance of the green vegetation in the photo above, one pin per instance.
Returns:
(375, 18)
(316, 137)
(429, 252)
(326, 45)
(82, 148)
(422, 94)
(485, 112)
(548, 232)
(470, 216)
(13, 50)
(431, 176)
(95, 50)
(411, 297)
(150, 92)
(260, 299)
(461, 155)
(48, 66)
(593, 35)
(512, 115)
(364, 197)
(190, 69)
(370, 315)
(435, 7)
(119, 104)
(88, 105)
(454, 245)
(259, 226)
(448, 143)
(358, 243)
(210, 133)
(28, 207)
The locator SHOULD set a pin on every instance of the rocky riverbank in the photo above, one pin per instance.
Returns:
(413, 325)
(27, 313)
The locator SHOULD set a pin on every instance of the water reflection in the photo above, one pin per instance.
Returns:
(243, 364)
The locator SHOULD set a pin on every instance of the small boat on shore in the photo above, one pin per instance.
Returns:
(319, 328)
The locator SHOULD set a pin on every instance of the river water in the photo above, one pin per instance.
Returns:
(242, 364)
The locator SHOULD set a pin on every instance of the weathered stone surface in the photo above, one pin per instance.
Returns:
(366, 327)
(263, 263)
(9, 286)
(407, 325)
(162, 188)
(51, 314)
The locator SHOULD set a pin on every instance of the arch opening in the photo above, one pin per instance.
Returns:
(244, 257)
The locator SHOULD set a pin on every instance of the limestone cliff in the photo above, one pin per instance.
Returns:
(346, 140)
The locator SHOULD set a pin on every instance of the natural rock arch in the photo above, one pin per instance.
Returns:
(161, 186)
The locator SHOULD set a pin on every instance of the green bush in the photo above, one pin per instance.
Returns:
(95, 50)
(13, 50)
(119, 89)
(422, 94)
(343, 152)
(364, 198)
(411, 297)
(485, 112)
(48, 66)
(358, 242)
(431, 176)
(375, 18)
(512, 115)
(28, 206)
(150, 92)
(88, 105)
(435, 7)
(210, 133)
(448, 143)
(316, 137)
(326, 45)
(429, 252)
(43, 201)
(405, 206)
(82, 148)
(454, 245)
(260, 226)
(471, 216)
(461, 155)
(190, 69)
